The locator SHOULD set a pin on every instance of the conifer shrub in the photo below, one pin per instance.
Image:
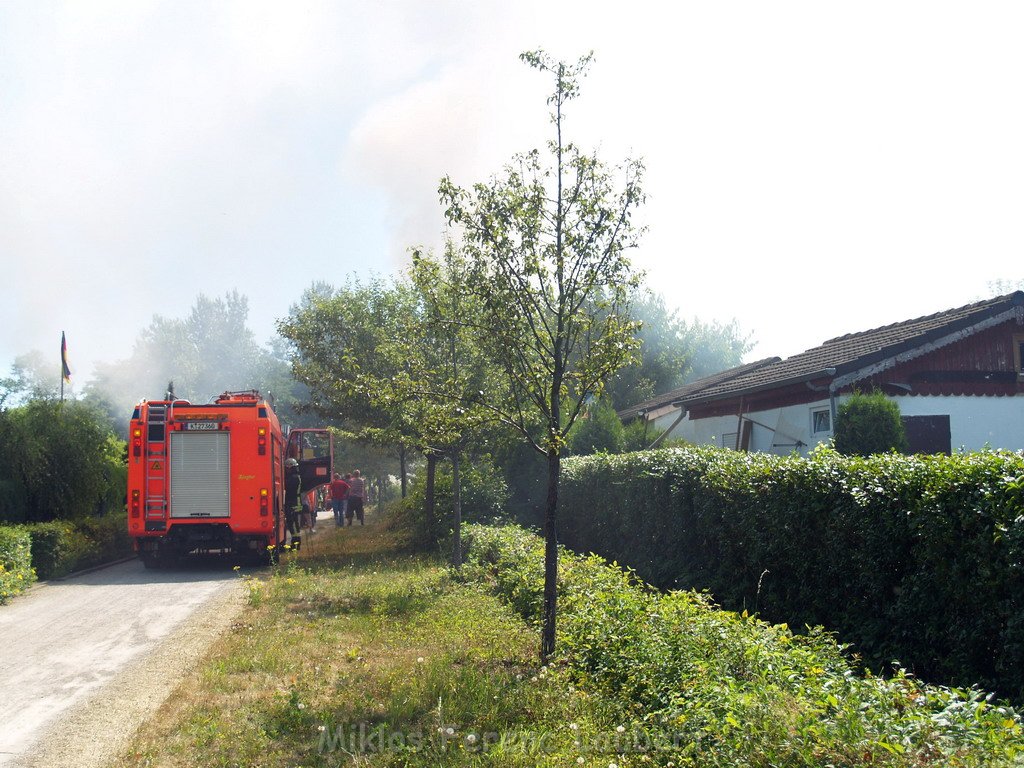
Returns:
(867, 424)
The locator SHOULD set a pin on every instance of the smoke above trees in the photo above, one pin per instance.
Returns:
(209, 351)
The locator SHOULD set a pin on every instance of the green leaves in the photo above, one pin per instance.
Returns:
(544, 246)
(867, 424)
(58, 461)
(718, 688)
(909, 557)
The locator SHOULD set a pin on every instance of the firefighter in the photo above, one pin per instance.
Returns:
(292, 486)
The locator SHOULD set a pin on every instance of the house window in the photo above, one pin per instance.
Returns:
(729, 439)
(821, 421)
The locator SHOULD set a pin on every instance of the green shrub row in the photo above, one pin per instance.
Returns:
(705, 687)
(918, 559)
(62, 546)
(15, 561)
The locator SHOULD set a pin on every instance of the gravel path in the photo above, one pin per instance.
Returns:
(87, 660)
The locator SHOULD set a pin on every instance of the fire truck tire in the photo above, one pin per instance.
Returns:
(151, 561)
(160, 559)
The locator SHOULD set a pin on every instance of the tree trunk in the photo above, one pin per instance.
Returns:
(428, 494)
(402, 470)
(457, 510)
(547, 643)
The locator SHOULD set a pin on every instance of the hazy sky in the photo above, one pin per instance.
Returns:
(814, 168)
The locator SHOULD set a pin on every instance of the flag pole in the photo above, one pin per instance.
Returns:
(65, 371)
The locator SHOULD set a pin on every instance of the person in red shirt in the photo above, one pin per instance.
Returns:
(356, 497)
(339, 498)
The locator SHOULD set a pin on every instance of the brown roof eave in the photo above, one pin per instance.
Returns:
(848, 371)
(778, 383)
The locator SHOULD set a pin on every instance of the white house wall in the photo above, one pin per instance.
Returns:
(975, 423)
(774, 431)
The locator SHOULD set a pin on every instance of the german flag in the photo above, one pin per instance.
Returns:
(65, 369)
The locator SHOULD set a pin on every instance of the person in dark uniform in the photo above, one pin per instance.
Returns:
(292, 486)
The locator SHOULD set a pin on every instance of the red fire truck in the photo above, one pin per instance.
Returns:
(210, 478)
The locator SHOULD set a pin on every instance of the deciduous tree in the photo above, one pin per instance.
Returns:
(339, 339)
(546, 243)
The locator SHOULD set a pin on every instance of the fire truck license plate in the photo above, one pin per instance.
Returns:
(208, 425)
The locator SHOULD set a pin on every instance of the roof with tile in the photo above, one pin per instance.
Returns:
(843, 355)
(693, 387)
(852, 352)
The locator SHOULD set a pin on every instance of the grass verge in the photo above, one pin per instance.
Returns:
(353, 653)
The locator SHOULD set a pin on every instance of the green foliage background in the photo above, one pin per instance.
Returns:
(58, 461)
(484, 493)
(915, 558)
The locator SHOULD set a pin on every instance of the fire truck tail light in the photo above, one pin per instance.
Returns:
(264, 502)
(261, 441)
(135, 503)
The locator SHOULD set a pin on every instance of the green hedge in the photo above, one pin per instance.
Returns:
(918, 559)
(60, 547)
(15, 561)
(698, 686)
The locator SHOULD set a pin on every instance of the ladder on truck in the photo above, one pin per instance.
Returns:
(156, 469)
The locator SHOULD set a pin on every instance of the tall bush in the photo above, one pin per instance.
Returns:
(867, 424)
(484, 495)
(599, 431)
(58, 461)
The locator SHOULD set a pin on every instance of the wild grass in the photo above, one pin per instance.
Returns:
(352, 653)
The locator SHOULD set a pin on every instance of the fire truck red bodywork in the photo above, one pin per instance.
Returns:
(210, 477)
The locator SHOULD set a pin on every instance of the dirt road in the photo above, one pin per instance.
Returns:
(85, 660)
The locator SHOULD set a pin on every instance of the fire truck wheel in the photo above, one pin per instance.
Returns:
(150, 560)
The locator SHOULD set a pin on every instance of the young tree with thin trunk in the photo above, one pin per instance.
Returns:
(546, 247)
(444, 369)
